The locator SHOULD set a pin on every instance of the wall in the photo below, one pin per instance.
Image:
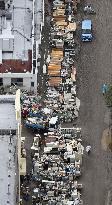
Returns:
(37, 26)
(27, 82)
(27, 79)
(18, 118)
(6, 81)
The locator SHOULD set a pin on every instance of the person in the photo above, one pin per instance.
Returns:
(104, 88)
(88, 148)
(87, 8)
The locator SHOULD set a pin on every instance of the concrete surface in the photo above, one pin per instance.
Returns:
(7, 113)
(7, 167)
(22, 23)
(8, 151)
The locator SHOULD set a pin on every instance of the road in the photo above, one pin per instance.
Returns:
(95, 68)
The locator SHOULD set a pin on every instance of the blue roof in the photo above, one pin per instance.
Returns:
(86, 24)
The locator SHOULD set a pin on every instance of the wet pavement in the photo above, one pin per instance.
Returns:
(94, 70)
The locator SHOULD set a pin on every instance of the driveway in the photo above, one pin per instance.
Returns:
(95, 68)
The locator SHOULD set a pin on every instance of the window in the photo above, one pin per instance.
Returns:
(86, 31)
(1, 81)
(2, 5)
(32, 84)
(17, 81)
(20, 80)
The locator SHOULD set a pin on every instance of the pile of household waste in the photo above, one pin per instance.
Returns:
(57, 153)
(64, 101)
(37, 115)
(57, 169)
(61, 104)
(61, 64)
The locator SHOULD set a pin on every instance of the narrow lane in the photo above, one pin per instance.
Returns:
(95, 69)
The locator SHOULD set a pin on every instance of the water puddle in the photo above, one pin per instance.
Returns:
(106, 141)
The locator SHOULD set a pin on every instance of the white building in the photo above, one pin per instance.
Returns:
(20, 37)
(10, 135)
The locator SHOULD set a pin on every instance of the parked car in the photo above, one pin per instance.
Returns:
(86, 30)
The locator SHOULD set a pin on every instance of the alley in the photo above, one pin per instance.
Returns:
(95, 69)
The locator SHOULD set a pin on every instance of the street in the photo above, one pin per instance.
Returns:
(94, 70)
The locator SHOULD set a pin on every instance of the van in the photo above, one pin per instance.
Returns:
(86, 30)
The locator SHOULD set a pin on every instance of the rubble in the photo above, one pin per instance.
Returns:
(57, 152)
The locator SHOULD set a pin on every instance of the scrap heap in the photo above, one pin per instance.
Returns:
(58, 168)
(62, 65)
(57, 154)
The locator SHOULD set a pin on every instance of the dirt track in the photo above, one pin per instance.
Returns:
(95, 68)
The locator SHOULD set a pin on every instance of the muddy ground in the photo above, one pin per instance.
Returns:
(95, 68)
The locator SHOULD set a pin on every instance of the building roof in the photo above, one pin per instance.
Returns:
(8, 153)
(7, 113)
(7, 170)
(22, 28)
(19, 31)
(16, 38)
